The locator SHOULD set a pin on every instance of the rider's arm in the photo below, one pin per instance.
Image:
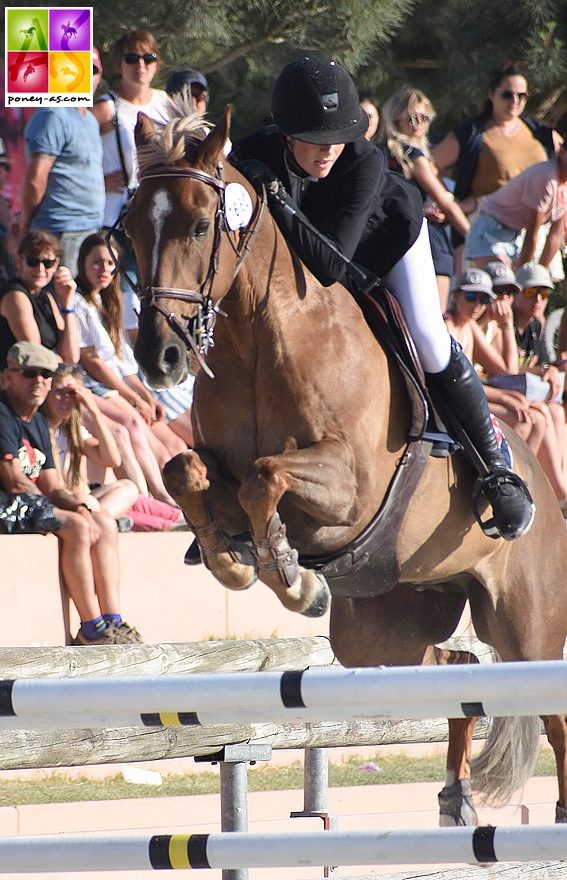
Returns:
(344, 224)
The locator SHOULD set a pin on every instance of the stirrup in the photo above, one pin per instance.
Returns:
(498, 477)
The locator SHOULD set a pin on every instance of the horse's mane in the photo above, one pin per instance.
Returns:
(186, 128)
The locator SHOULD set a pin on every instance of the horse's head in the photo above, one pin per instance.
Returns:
(185, 214)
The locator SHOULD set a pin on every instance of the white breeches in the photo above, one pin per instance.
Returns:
(413, 283)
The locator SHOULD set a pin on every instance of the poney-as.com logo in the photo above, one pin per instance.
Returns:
(49, 56)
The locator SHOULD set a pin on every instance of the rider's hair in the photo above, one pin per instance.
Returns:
(110, 297)
(404, 101)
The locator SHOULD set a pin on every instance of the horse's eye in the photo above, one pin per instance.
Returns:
(201, 228)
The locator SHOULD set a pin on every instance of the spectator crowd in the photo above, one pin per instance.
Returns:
(83, 438)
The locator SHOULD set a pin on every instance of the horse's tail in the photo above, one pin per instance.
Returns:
(508, 758)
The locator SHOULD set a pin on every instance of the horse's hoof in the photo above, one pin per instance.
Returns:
(320, 604)
(560, 814)
(456, 806)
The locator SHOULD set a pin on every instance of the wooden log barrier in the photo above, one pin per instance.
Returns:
(29, 749)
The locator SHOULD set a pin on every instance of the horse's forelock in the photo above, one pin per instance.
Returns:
(177, 139)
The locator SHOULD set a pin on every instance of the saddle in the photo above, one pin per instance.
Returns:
(368, 566)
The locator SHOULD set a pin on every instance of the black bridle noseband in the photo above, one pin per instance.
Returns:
(197, 332)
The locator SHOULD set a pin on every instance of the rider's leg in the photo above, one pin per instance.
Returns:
(457, 388)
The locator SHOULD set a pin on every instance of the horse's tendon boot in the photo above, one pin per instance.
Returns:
(456, 806)
(275, 553)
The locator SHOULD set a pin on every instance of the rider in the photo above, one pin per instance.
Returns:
(318, 169)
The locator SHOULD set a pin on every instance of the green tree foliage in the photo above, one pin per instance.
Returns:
(449, 47)
(445, 47)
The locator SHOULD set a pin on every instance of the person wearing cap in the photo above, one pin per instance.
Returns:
(187, 81)
(535, 357)
(327, 183)
(34, 499)
(529, 314)
(474, 296)
(497, 322)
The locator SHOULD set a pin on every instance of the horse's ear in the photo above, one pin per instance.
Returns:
(211, 151)
(145, 130)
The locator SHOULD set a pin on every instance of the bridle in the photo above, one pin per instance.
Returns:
(197, 331)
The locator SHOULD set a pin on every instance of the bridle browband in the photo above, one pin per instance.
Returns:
(198, 334)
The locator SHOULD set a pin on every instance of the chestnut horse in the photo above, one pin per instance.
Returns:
(297, 434)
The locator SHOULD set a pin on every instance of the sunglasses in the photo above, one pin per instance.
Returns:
(32, 372)
(133, 58)
(508, 95)
(505, 291)
(472, 296)
(418, 119)
(532, 292)
(34, 262)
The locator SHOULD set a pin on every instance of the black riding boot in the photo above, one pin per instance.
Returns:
(458, 394)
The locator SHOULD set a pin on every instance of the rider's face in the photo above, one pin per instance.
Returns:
(316, 160)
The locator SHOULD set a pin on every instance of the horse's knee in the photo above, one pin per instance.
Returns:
(262, 483)
(185, 473)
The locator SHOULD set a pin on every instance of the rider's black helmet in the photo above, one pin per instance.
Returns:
(315, 100)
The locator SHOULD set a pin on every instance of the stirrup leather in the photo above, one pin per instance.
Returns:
(497, 477)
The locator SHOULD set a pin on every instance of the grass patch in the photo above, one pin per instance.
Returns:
(262, 777)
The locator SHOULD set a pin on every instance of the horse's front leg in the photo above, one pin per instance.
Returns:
(456, 805)
(188, 480)
(319, 480)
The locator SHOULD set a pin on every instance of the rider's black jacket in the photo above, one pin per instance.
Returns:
(372, 214)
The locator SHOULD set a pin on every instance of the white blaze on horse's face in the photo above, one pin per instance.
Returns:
(159, 211)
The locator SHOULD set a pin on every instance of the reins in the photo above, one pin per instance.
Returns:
(197, 333)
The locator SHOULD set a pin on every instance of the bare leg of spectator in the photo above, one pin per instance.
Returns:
(120, 411)
(117, 497)
(75, 551)
(106, 564)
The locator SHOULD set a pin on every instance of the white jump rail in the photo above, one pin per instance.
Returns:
(78, 853)
(507, 689)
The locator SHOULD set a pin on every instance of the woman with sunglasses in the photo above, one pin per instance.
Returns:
(487, 151)
(29, 311)
(404, 125)
(330, 194)
(136, 60)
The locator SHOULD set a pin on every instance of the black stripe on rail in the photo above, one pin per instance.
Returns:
(290, 689)
(6, 705)
(473, 710)
(483, 843)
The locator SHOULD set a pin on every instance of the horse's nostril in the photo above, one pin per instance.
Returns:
(171, 357)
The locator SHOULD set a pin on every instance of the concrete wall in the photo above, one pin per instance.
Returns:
(166, 600)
